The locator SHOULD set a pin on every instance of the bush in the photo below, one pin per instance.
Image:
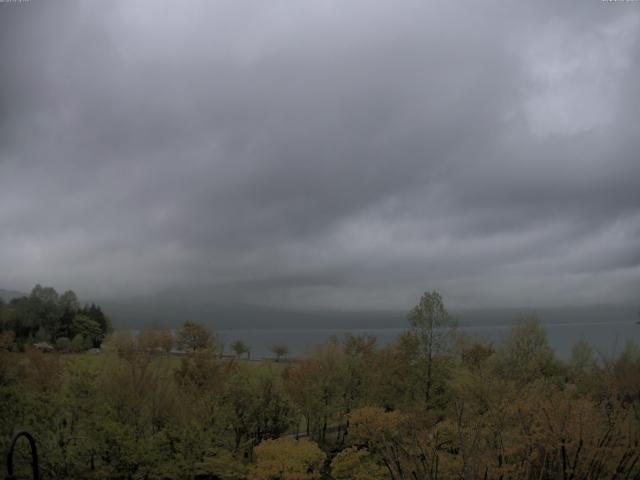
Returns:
(77, 344)
(7, 340)
(88, 343)
(63, 344)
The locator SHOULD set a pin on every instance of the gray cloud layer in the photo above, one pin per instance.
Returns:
(323, 153)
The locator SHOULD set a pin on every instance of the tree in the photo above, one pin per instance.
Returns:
(69, 308)
(194, 336)
(626, 374)
(527, 355)
(240, 348)
(223, 466)
(44, 294)
(434, 328)
(165, 340)
(582, 361)
(357, 464)
(45, 314)
(203, 372)
(95, 313)
(156, 340)
(256, 406)
(69, 301)
(41, 309)
(3, 310)
(383, 435)
(317, 386)
(280, 350)
(288, 459)
(84, 325)
(474, 353)
(42, 335)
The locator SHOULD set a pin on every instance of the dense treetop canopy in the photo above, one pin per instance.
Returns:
(44, 316)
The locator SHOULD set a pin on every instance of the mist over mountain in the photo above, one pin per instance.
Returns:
(171, 309)
(156, 311)
(7, 295)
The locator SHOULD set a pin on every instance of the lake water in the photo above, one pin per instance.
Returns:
(607, 338)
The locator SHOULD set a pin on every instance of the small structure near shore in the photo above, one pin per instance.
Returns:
(44, 347)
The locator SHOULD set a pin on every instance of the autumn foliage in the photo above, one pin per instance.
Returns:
(431, 405)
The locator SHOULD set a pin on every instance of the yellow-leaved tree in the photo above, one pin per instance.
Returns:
(355, 463)
(287, 459)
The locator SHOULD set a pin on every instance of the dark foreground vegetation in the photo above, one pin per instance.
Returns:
(50, 321)
(432, 405)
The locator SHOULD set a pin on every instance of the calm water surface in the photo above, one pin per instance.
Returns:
(607, 339)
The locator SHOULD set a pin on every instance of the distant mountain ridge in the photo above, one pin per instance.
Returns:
(7, 295)
(136, 313)
(171, 310)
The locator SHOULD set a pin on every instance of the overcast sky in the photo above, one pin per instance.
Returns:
(316, 153)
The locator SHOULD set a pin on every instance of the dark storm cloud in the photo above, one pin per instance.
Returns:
(341, 154)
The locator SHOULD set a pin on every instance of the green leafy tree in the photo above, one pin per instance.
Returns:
(583, 360)
(288, 459)
(69, 308)
(3, 314)
(46, 295)
(526, 355)
(42, 335)
(204, 372)
(155, 340)
(240, 348)
(88, 343)
(63, 344)
(319, 386)
(434, 330)
(223, 466)
(625, 371)
(383, 435)
(355, 463)
(40, 309)
(194, 336)
(77, 344)
(86, 327)
(280, 351)
(69, 301)
(256, 406)
(44, 314)
(94, 312)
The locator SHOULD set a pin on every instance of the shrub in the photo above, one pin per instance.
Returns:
(63, 344)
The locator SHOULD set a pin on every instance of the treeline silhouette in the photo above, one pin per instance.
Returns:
(434, 404)
(51, 321)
